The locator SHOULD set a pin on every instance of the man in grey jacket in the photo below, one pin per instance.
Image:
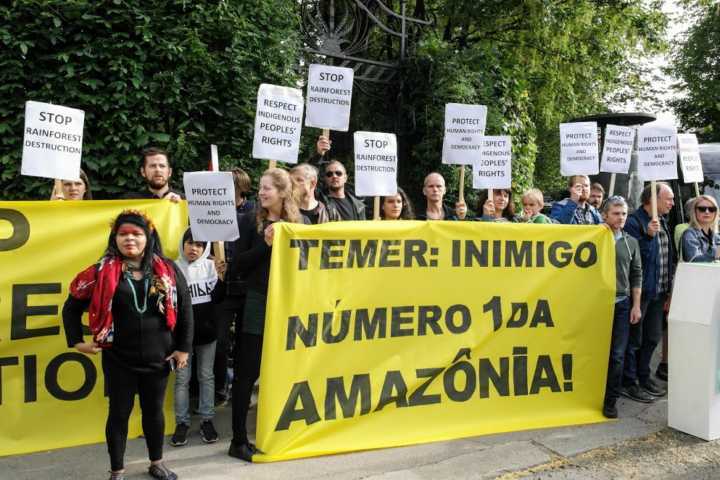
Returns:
(628, 272)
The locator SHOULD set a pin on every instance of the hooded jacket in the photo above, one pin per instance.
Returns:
(206, 289)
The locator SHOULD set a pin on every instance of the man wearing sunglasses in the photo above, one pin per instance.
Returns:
(340, 202)
(658, 255)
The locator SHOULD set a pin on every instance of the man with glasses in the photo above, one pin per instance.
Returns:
(657, 252)
(339, 202)
(576, 210)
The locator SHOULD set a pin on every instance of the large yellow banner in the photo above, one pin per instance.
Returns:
(382, 334)
(52, 396)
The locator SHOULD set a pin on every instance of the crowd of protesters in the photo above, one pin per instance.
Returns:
(167, 315)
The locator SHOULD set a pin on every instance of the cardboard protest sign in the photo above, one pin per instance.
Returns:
(375, 164)
(493, 169)
(52, 143)
(278, 121)
(617, 149)
(657, 152)
(578, 148)
(690, 162)
(211, 205)
(464, 128)
(329, 95)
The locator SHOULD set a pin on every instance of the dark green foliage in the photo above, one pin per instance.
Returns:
(175, 74)
(697, 65)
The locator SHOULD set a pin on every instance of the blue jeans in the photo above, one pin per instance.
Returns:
(206, 379)
(644, 338)
(618, 345)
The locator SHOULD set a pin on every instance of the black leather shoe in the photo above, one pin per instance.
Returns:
(610, 411)
(651, 387)
(243, 451)
(634, 392)
(662, 372)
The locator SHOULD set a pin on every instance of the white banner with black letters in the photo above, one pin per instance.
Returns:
(211, 205)
(617, 149)
(657, 152)
(578, 149)
(375, 164)
(464, 129)
(278, 121)
(52, 143)
(493, 169)
(329, 96)
(690, 162)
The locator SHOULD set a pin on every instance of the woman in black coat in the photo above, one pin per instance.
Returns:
(146, 331)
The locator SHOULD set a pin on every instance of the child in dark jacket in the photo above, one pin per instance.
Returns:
(206, 289)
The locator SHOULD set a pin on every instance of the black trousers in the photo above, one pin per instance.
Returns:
(248, 349)
(122, 384)
(229, 311)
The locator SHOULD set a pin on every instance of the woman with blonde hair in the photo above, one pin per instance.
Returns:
(700, 241)
(252, 262)
(533, 201)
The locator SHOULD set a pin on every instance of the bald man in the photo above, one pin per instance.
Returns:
(435, 209)
(658, 255)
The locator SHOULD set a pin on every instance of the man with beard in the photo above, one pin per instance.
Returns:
(576, 210)
(156, 171)
(597, 193)
(435, 209)
(339, 202)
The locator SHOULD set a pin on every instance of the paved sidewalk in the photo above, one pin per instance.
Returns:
(638, 445)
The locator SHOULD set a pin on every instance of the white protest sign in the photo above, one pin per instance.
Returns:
(52, 143)
(493, 169)
(690, 162)
(375, 164)
(464, 128)
(657, 152)
(578, 148)
(211, 205)
(329, 95)
(617, 149)
(278, 121)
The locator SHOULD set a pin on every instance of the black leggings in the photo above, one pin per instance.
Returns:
(122, 385)
(248, 349)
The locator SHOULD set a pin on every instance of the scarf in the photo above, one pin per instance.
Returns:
(99, 282)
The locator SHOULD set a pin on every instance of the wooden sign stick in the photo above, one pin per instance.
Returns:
(611, 190)
(653, 199)
(376, 208)
(461, 194)
(697, 190)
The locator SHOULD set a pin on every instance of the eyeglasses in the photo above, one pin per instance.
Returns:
(704, 209)
(330, 173)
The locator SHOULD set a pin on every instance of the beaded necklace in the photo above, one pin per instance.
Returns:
(134, 293)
